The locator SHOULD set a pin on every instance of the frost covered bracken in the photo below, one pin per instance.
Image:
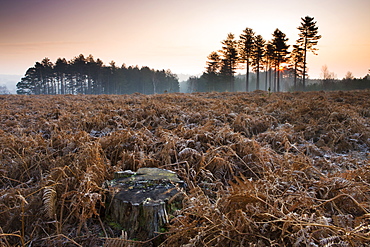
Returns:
(286, 169)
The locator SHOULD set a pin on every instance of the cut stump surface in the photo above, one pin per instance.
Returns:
(140, 201)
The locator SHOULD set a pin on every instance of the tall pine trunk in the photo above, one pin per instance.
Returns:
(275, 79)
(270, 78)
(304, 64)
(266, 76)
(247, 77)
(258, 75)
(295, 76)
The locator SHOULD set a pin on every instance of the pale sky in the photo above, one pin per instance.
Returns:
(176, 35)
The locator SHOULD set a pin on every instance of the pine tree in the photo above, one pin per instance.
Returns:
(269, 59)
(60, 71)
(90, 69)
(212, 70)
(308, 38)
(48, 83)
(246, 48)
(40, 82)
(78, 65)
(281, 52)
(296, 60)
(229, 60)
(28, 82)
(257, 56)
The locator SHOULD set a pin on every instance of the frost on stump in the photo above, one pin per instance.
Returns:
(141, 201)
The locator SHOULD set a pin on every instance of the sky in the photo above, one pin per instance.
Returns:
(176, 35)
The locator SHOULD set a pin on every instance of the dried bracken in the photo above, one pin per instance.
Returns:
(286, 169)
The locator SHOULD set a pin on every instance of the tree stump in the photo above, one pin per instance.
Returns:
(141, 201)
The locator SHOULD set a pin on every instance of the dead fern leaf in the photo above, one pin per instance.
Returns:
(333, 241)
(49, 200)
(116, 242)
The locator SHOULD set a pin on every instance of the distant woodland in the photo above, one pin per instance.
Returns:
(349, 82)
(268, 65)
(86, 75)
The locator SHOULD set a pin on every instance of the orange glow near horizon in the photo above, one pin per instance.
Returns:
(283, 66)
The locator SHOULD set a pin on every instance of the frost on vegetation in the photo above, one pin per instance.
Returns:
(291, 169)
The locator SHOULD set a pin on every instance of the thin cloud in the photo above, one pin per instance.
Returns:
(43, 44)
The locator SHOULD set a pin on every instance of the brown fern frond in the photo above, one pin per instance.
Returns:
(49, 200)
(116, 242)
(333, 241)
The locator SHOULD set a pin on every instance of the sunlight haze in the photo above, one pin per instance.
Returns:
(176, 35)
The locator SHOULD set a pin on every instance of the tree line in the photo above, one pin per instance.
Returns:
(86, 75)
(4, 90)
(329, 82)
(256, 54)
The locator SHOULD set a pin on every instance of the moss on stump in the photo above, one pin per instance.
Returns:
(139, 201)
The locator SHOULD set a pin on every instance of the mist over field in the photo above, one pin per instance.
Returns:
(10, 81)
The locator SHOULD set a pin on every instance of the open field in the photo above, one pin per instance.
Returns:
(286, 169)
